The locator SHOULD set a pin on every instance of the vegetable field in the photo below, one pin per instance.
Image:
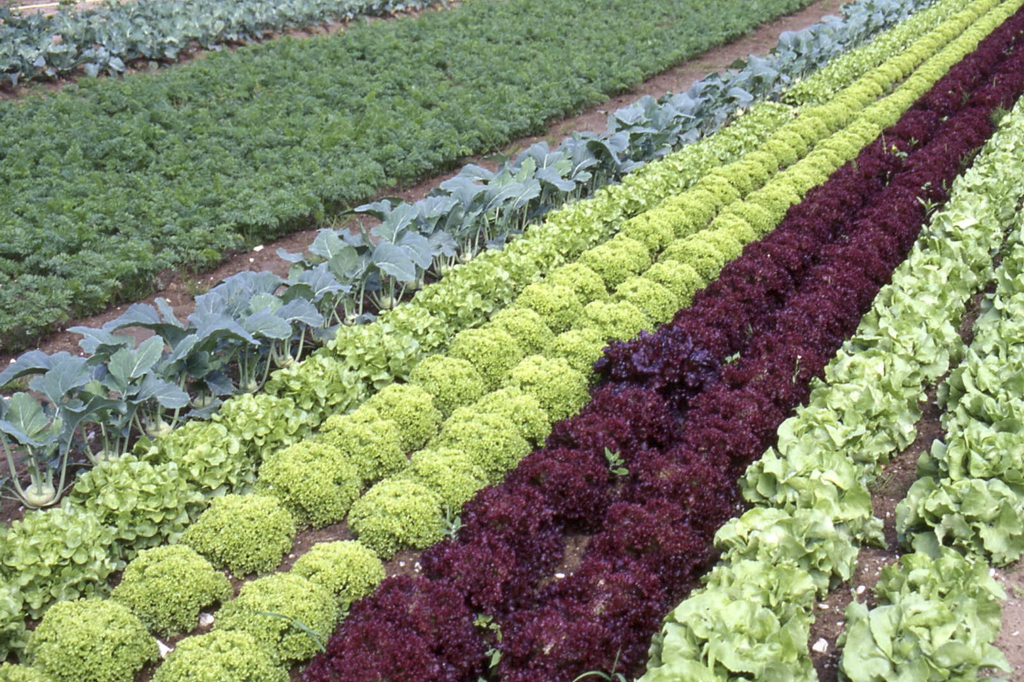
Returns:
(624, 409)
(292, 130)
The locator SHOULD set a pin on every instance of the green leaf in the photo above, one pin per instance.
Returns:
(27, 364)
(145, 357)
(348, 265)
(328, 245)
(66, 374)
(163, 392)
(25, 420)
(301, 310)
(267, 325)
(881, 632)
(395, 262)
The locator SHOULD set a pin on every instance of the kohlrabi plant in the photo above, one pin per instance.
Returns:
(40, 434)
(31, 434)
(130, 397)
(257, 325)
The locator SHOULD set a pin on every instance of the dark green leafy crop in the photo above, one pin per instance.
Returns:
(110, 182)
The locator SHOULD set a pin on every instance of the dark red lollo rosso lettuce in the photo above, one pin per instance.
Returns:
(624, 419)
(411, 630)
(755, 278)
(701, 484)
(487, 574)
(574, 484)
(916, 125)
(656, 534)
(791, 299)
(600, 614)
(510, 538)
(716, 431)
(1000, 93)
(518, 517)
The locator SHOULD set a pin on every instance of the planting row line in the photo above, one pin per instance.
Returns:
(289, 130)
(795, 179)
(967, 502)
(939, 610)
(967, 496)
(753, 616)
(248, 324)
(652, 525)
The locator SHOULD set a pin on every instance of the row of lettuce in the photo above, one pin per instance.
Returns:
(106, 38)
(256, 321)
(965, 512)
(784, 306)
(968, 496)
(616, 265)
(98, 182)
(939, 610)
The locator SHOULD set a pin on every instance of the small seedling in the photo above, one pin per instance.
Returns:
(615, 463)
(885, 480)
(612, 676)
(193, 286)
(452, 523)
(494, 653)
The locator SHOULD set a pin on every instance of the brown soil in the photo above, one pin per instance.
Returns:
(1010, 640)
(179, 288)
